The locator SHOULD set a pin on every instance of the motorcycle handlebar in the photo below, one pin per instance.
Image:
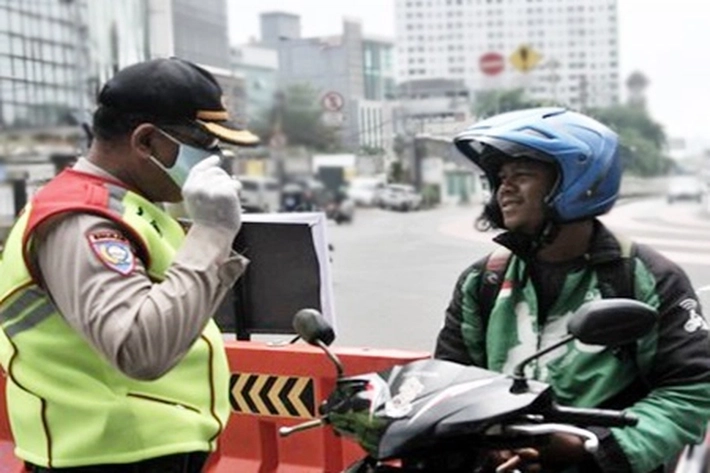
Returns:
(591, 417)
(591, 442)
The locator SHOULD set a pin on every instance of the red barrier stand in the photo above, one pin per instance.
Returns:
(283, 386)
(271, 386)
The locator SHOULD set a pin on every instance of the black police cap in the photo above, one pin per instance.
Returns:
(174, 90)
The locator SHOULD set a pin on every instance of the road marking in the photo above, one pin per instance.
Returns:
(678, 232)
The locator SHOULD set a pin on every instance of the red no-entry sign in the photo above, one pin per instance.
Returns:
(491, 63)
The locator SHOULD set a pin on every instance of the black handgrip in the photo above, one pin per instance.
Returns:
(590, 417)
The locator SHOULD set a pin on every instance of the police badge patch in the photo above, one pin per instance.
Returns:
(113, 250)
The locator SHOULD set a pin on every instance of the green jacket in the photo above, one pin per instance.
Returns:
(68, 406)
(665, 381)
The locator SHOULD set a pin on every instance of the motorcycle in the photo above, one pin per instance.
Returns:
(340, 212)
(437, 416)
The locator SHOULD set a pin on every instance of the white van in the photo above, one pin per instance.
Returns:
(260, 194)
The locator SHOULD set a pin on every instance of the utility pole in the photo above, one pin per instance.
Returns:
(420, 152)
(277, 143)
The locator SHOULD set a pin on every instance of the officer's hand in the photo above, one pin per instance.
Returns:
(212, 197)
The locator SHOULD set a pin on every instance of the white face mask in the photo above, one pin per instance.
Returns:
(188, 156)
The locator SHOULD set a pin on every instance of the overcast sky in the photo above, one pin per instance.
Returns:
(668, 40)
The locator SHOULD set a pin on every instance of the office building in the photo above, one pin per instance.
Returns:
(439, 107)
(378, 67)
(55, 54)
(566, 52)
(200, 31)
(279, 26)
(259, 66)
(352, 73)
(40, 57)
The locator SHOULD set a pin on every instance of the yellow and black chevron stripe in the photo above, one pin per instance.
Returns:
(269, 395)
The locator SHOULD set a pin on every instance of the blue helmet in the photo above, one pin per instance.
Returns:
(584, 151)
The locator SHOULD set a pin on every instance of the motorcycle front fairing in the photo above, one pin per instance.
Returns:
(412, 406)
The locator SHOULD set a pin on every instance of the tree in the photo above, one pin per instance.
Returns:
(396, 172)
(621, 117)
(368, 150)
(640, 156)
(641, 138)
(492, 102)
(297, 114)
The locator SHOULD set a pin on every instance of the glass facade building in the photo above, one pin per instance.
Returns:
(259, 66)
(117, 37)
(39, 62)
(200, 31)
(54, 55)
(378, 69)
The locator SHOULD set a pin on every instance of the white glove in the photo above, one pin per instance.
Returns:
(212, 197)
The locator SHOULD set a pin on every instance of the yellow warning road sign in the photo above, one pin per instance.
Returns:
(269, 395)
(525, 58)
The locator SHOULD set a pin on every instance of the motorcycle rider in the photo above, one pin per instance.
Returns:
(552, 172)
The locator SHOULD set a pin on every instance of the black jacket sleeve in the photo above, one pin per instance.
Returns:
(675, 362)
(450, 344)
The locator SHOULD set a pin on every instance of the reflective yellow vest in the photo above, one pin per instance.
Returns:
(67, 405)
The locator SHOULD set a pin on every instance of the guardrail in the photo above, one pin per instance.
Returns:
(271, 386)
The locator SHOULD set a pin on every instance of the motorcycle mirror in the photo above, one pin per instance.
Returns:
(312, 327)
(612, 322)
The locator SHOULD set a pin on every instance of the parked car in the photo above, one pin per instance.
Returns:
(685, 188)
(364, 191)
(260, 194)
(401, 197)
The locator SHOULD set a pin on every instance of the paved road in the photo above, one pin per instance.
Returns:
(393, 272)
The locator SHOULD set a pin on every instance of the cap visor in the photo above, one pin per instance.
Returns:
(230, 135)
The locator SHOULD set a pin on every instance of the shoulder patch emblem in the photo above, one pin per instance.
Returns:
(695, 321)
(113, 250)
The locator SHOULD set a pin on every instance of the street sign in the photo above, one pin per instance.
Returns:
(333, 119)
(332, 101)
(525, 58)
(491, 63)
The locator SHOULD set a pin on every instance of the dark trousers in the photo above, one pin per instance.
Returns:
(180, 463)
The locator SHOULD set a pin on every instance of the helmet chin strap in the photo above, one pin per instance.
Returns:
(530, 245)
(549, 229)
(545, 236)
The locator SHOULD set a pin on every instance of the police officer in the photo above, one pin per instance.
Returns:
(113, 360)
